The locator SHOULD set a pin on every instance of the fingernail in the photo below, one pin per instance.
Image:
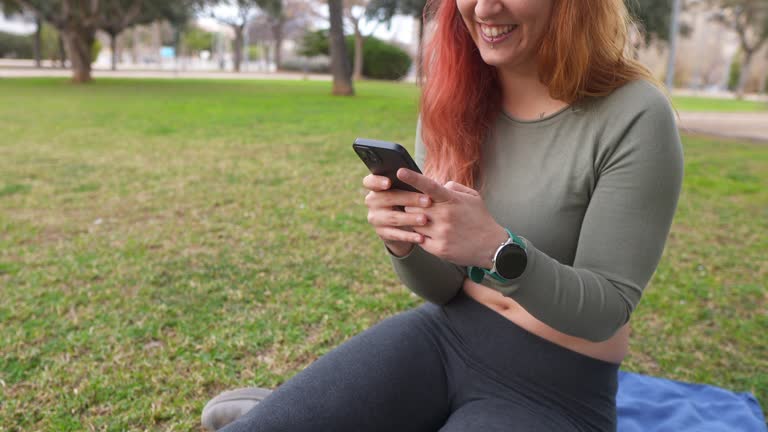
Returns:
(384, 183)
(424, 200)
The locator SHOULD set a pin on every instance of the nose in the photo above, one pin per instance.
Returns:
(486, 10)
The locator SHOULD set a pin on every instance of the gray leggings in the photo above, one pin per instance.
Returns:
(460, 367)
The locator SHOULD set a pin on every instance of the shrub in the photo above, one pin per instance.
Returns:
(196, 39)
(734, 73)
(316, 64)
(381, 60)
(314, 43)
(15, 46)
(95, 50)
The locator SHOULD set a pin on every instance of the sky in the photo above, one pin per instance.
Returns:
(15, 26)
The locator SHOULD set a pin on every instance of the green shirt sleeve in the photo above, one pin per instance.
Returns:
(430, 277)
(622, 236)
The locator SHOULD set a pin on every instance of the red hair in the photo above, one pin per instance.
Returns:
(582, 55)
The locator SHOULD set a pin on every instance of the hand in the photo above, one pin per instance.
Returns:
(459, 227)
(394, 226)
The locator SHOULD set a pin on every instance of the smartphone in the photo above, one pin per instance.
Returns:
(384, 158)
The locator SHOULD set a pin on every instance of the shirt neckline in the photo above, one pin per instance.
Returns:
(544, 120)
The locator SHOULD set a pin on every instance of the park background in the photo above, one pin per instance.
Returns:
(188, 216)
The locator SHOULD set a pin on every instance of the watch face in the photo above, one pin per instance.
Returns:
(511, 262)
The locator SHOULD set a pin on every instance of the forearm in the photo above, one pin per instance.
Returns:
(575, 301)
(430, 277)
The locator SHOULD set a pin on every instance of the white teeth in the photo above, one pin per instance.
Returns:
(494, 31)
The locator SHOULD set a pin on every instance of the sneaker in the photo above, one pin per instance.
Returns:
(230, 405)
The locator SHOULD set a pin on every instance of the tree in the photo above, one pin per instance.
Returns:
(354, 11)
(653, 21)
(749, 19)
(197, 39)
(384, 10)
(653, 17)
(283, 16)
(342, 84)
(275, 18)
(77, 22)
(118, 15)
(244, 12)
(11, 7)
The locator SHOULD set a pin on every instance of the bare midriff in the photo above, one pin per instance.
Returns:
(612, 350)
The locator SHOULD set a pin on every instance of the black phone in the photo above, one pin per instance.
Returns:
(384, 158)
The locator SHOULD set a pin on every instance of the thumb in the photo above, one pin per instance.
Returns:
(458, 187)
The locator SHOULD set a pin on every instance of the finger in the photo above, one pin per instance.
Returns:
(376, 183)
(427, 231)
(396, 219)
(409, 209)
(424, 184)
(396, 197)
(458, 187)
(391, 233)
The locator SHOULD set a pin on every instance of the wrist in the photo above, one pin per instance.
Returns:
(398, 248)
(496, 237)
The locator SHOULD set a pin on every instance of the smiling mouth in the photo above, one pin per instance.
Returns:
(496, 33)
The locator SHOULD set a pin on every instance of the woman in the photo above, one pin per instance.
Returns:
(552, 173)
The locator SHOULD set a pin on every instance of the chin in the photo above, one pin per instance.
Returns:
(494, 58)
(493, 61)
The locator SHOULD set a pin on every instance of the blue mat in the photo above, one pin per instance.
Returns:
(650, 404)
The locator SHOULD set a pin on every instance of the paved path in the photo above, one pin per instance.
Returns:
(12, 72)
(748, 126)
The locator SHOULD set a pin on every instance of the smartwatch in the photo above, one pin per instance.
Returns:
(509, 261)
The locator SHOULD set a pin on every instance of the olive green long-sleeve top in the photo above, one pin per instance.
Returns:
(592, 189)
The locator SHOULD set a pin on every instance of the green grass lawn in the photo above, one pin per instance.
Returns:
(703, 104)
(162, 241)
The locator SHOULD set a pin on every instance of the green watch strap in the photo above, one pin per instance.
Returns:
(477, 274)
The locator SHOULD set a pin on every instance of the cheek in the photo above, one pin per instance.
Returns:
(465, 11)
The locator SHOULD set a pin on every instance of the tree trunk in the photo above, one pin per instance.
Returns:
(277, 34)
(263, 55)
(136, 41)
(237, 46)
(38, 42)
(357, 75)
(62, 52)
(113, 47)
(342, 85)
(744, 75)
(78, 42)
(420, 49)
